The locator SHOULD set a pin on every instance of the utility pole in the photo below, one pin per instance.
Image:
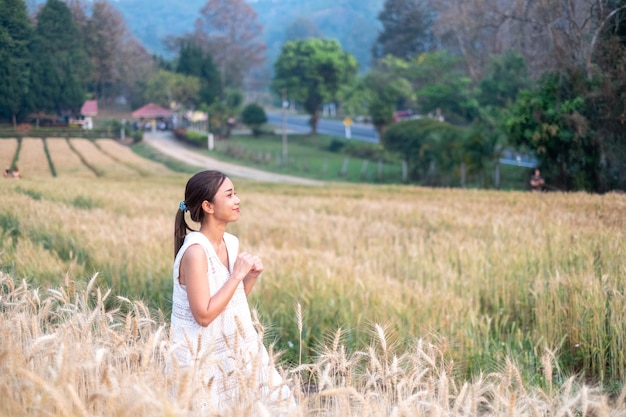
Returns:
(284, 112)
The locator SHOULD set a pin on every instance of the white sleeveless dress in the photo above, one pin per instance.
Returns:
(227, 356)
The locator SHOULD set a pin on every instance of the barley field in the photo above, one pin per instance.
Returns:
(8, 147)
(376, 300)
(66, 161)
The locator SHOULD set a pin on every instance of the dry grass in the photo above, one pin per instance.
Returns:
(100, 162)
(73, 350)
(8, 147)
(65, 160)
(125, 155)
(386, 297)
(32, 160)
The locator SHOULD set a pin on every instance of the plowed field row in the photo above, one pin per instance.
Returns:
(76, 157)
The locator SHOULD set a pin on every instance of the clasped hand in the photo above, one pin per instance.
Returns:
(247, 266)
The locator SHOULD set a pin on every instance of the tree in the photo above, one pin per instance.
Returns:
(229, 31)
(432, 149)
(106, 32)
(61, 67)
(136, 65)
(254, 117)
(550, 120)
(312, 71)
(165, 87)
(550, 35)
(192, 60)
(606, 107)
(406, 29)
(439, 83)
(388, 93)
(15, 59)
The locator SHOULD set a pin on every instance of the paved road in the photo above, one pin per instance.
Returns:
(300, 124)
(165, 143)
(367, 133)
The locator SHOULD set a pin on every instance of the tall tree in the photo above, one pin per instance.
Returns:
(232, 35)
(407, 29)
(192, 60)
(136, 65)
(550, 35)
(15, 60)
(61, 67)
(106, 31)
(312, 71)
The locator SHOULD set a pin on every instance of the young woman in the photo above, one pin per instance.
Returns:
(212, 329)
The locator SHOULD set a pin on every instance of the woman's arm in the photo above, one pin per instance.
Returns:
(193, 274)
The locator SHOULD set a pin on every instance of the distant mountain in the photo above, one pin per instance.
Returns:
(354, 23)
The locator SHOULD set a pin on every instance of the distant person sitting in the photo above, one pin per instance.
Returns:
(16, 173)
(8, 173)
(536, 182)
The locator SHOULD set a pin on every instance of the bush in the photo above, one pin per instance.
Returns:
(427, 145)
(137, 136)
(336, 145)
(200, 140)
(254, 117)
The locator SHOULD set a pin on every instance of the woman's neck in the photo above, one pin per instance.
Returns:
(214, 232)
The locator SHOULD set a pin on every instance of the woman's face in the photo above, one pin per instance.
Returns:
(226, 203)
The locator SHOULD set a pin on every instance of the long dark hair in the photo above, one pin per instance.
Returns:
(200, 187)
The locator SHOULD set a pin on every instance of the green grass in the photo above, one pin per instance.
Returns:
(308, 156)
(325, 158)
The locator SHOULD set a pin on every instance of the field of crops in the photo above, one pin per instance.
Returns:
(75, 157)
(393, 300)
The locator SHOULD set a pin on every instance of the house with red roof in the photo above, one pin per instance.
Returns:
(152, 116)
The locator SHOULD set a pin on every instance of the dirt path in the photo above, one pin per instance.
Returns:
(165, 143)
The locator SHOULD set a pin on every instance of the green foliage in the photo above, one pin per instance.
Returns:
(61, 67)
(336, 145)
(438, 82)
(550, 120)
(312, 71)
(432, 149)
(137, 136)
(165, 87)
(15, 60)
(407, 29)
(254, 117)
(387, 94)
(222, 112)
(506, 76)
(193, 61)
(196, 139)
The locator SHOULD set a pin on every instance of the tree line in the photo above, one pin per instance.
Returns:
(69, 51)
(546, 77)
(540, 76)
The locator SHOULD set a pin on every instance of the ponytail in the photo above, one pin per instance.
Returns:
(180, 230)
(200, 187)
